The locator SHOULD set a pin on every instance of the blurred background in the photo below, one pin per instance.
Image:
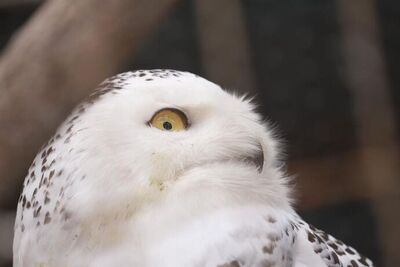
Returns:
(325, 73)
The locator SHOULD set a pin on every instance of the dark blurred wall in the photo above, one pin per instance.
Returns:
(389, 14)
(11, 18)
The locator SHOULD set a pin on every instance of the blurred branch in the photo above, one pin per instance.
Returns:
(374, 114)
(66, 48)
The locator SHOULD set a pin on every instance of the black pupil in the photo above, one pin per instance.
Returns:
(167, 125)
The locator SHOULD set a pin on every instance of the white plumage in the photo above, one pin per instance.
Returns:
(111, 189)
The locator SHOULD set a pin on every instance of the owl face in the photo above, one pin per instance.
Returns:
(151, 131)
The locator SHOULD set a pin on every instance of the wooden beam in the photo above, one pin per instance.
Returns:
(6, 234)
(374, 115)
(224, 45)
(331, 180)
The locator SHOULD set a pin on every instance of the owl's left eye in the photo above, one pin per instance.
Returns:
(169, 119)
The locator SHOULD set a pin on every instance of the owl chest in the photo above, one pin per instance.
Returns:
(248, 235)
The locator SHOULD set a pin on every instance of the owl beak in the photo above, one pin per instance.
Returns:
(257, 159)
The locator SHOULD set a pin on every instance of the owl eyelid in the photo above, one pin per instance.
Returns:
(178, 111)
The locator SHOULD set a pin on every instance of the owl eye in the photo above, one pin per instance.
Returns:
(169, 119)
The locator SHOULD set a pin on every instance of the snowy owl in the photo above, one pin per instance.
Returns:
(164, 168)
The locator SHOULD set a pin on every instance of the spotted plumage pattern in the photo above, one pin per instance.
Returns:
(333, 252)
(108, 189)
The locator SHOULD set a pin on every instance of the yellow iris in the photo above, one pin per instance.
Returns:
(169, 119)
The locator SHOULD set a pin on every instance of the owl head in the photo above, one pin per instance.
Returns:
(143, 134)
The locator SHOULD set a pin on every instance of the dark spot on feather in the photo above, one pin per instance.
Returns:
(350, 251)
(230, 264)
(333, 245)
(335, 258)
(311, 237)
(49, 150)
(318, 250)
(363, 260)
(269, 249)
(273, 237)
(267, 263)
(36, 212)
(47, 218)
(69, 129)
(52, 163)
(23, 201)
